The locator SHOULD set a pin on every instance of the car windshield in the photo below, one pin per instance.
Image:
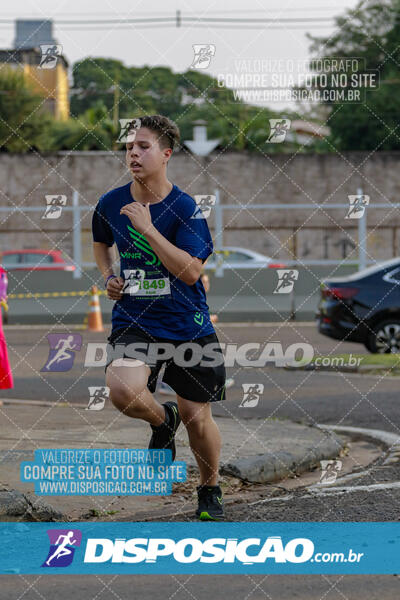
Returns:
(230, 255)
(234, 256)
(393, 262)
(10, 259)
(37, 258)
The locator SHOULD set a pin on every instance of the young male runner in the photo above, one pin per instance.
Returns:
(162, 244)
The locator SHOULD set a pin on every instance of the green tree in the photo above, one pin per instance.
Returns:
(371, 31)
(91, 131)
(184, 97)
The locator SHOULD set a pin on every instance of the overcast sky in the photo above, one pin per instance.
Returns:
(173, 46)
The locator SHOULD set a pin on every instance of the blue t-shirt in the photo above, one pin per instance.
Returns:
(154, 299)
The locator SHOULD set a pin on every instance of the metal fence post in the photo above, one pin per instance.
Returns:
(76, 236)
(219, 272)
(362, 237)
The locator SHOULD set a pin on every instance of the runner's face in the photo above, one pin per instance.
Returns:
(145, 150)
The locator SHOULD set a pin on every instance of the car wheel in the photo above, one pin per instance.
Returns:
(385, 338)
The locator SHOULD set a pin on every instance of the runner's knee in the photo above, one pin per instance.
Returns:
(196, 416)
(126, 391)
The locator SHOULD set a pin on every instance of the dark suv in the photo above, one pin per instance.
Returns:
(363, 307)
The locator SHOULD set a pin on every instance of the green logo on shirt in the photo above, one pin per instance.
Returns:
(198, 318)
(131, 254)
(140, 242)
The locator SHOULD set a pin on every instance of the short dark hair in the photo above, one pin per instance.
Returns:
(168, 131)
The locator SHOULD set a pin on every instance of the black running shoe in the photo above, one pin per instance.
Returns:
(163, 437)
(211, 506)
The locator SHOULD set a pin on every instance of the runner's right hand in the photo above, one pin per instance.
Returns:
(114, 287)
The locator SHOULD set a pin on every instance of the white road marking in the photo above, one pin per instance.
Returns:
(333, 491)
(392, 440)
(388, 438)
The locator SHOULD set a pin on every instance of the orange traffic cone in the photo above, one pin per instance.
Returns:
(95, 321)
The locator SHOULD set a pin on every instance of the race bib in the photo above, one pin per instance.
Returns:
(136, 284)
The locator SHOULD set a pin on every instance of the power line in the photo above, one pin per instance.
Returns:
(199, 26)
(224, 20)
(278, 10)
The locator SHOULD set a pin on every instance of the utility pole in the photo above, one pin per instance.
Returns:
(116, 107)
(116, 101)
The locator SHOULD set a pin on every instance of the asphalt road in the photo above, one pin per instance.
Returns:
(200, 587)
(306, 396)
(303, 396)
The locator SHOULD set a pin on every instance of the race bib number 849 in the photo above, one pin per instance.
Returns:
(154, 287)
(136, 284)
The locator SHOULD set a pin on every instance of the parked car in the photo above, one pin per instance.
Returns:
(234, 257)
(363, 307)
(35, 260)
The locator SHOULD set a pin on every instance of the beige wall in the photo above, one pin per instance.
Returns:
(242, 179)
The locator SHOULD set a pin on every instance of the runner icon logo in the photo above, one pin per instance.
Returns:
(204, 206)
(98, 396)
(62, 351)
(63, 543)
(133, 279)
(50, 54)
(279, 129)
(251, 394)
(286, 279)
(330, 470)
(357, 206)
(203, 54)
(128, 130)
(54, 206)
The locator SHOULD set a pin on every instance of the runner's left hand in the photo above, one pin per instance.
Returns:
(139, 215)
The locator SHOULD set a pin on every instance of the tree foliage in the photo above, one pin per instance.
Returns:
(372, 32)
(183, 97)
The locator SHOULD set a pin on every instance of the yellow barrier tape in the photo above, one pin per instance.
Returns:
(54, 294)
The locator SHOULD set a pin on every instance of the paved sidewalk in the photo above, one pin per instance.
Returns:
(255, 453)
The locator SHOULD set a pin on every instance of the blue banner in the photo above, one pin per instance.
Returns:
(102, 472)
(224, 548)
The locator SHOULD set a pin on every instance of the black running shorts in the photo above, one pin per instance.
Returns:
(196, 382)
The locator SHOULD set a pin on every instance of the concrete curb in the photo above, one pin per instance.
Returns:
(273, 450)
(270, 467)
(391, 440)
(27, 506)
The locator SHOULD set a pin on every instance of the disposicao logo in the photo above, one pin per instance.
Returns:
(63, 543)
(191, 550)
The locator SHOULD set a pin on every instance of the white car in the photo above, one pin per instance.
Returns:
(234, 257)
